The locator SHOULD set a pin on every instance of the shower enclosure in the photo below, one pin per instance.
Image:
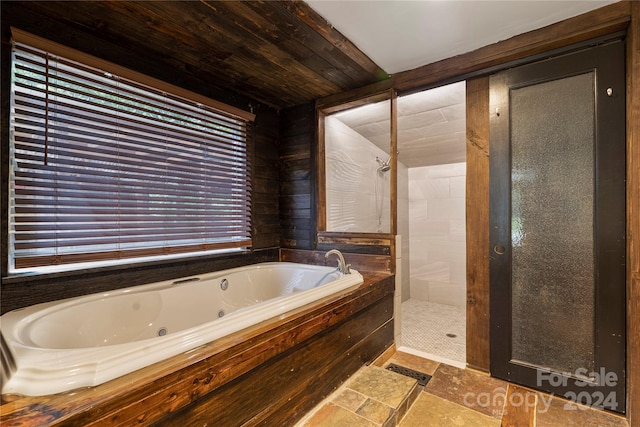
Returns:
(357, 171)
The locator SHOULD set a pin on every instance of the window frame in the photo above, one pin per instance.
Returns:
(68, 53)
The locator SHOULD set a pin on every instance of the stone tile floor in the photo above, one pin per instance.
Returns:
(376, 397)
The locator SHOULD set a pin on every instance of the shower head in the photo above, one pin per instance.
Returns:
(384, 166)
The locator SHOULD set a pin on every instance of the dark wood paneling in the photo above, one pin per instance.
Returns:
(280, 53)
(265, 180)
(22, 291)
(477, 223)
(285, 388)
(359, 243)
(633, 217)
(297, 177)
(5, 109)
(319, 24)
(355, 248)
(233, 366)
(89, 38)
(360, 262)
(305, 398)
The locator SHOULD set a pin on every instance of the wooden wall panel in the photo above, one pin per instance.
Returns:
(357, 243)
(5, 109)
(297, 177)
(265, 180)
(280, 53)
(283, 390)
(360, 262)
(633, 217)
(22, 291)
(91, 39)
(477, 223)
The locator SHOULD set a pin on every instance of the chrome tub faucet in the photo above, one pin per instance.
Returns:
(343, 267)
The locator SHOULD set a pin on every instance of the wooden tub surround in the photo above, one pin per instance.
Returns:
(269, 374)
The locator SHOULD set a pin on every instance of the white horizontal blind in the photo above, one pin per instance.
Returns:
(106, 168)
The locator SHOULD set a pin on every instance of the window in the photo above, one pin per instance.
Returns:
(105, 168)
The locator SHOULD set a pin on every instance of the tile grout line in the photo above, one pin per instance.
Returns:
(392, 418)
(504, 404)
(431, 339)
(465, 407)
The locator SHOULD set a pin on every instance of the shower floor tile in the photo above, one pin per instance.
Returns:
(438, 330)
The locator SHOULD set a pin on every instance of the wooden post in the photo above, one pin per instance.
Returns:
(478, 223)
(633, 217)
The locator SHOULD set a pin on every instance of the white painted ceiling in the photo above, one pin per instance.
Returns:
(400, 35)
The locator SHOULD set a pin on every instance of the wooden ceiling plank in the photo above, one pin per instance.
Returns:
(298, 41)
(279, 53)
(151, 27)
(299, 36)
(112, 27)
(315, 21)
(252, 45)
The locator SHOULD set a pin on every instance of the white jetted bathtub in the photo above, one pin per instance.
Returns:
(54, 347)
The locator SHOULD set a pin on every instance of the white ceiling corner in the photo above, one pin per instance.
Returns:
(401, 35)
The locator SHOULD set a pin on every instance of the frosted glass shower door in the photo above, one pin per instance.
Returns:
(552, 241)
(558, 215)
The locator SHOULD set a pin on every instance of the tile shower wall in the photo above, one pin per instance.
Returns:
(437, 240)
(357, 195)
(403, 284)
(402, 247)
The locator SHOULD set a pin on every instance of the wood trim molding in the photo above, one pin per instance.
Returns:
(322, 111)
(393, 156)
(605, 20)
(321, 174)
(356, 101)
(477, 223)
(370, 239)
(75, 55)
(633, 217)
(359, 262)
